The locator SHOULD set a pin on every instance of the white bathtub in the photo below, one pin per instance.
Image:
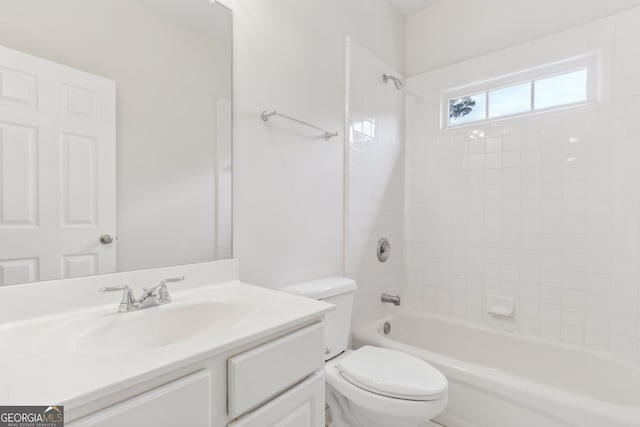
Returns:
(504, 380)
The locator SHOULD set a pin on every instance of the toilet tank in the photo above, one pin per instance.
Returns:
(334, 290)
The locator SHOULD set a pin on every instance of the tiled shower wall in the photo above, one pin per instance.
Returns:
(375, 184)
(544, 208)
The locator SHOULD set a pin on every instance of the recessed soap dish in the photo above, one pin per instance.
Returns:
(501, 305)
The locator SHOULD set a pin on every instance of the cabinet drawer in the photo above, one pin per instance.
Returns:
(184, 402)
(259, 374)
(301, 406)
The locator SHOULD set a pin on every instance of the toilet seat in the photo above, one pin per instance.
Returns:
(380, 410)
(392, 373)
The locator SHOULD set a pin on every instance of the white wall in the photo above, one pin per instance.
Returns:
(544, 208)
(288, 182)
(167, 78)
(455, 30)
(375, 183)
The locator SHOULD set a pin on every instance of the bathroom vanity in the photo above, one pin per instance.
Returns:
(222, 353)
(79, 198)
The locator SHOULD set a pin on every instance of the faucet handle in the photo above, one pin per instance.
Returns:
(115, 288)
(163, 293)
(173, 279)
(128, 300)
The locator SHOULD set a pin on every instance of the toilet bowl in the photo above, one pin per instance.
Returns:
(383, 395)
(371, 386)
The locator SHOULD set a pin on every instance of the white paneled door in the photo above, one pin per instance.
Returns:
(57, 170)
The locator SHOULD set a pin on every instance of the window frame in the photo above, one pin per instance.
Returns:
(589, 62)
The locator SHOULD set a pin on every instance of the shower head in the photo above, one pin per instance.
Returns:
(396, 81)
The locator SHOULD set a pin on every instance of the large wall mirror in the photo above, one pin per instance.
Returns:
(115, 136)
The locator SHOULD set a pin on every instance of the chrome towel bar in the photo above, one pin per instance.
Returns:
(266, 115)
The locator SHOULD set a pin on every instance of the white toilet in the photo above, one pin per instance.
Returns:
(371, 386)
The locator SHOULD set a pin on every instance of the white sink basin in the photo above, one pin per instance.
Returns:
(150, 328)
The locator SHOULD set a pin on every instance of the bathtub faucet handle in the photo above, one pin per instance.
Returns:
(393, 299)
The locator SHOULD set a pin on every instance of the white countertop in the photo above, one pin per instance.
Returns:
(37, 366)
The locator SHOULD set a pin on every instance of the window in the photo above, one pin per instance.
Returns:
(467, 109)
(564, 89)
(510, 100)
(568, 83)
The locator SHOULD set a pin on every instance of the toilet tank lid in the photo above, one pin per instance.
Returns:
(322, 288)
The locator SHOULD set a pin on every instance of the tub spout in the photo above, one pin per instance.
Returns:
(393, 299)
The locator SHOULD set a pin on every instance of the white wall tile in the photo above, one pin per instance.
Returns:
(543, 208)
(376, 183)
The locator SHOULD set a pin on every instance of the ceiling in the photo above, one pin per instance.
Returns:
(407, 7)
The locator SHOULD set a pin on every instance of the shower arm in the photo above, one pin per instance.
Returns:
(396, 81)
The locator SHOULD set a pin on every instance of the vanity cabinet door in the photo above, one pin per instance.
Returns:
(184, 402)
(301, 406)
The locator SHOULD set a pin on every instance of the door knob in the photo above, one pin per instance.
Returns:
(105, 239)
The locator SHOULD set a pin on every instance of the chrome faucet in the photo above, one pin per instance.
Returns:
(393, 299)
(157, 295)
